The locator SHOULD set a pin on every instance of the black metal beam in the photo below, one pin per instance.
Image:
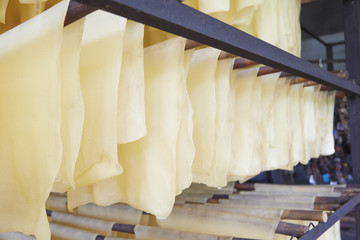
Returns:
(313, 36)
(337, 43)
(336, 216)
(328, 61)
(76, 11)
(177, 18)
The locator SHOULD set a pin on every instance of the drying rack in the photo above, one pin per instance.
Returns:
(177, 18)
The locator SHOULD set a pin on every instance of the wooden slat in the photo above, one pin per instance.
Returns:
(319, 216)
(291, 229)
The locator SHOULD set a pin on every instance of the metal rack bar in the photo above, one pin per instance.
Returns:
(328, 60)
(337, 43)
(308, 32)
(77, 11)
(177, 18)
(322, 227)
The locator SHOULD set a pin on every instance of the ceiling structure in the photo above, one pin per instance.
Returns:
(322, 17)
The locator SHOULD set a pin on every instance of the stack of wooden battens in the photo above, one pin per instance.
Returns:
(323, 206)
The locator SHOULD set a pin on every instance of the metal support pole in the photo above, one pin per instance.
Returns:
(352, 50)
(329, 56)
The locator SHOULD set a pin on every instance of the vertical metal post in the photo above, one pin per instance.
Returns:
(329, 56)
(352, 50)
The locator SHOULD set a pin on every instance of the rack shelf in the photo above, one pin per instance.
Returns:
(174, 17)
(177, 18)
